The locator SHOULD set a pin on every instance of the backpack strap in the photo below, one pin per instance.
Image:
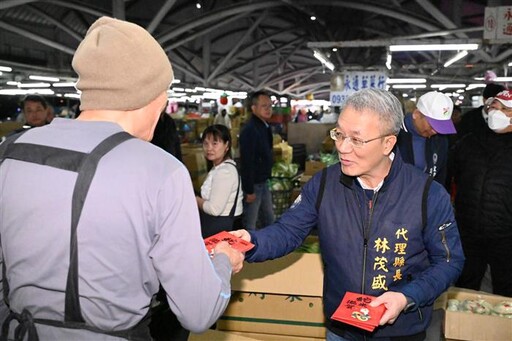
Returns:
(85, 164)
(233, 210)
(424, 202)
(321, 189)
(86, 173)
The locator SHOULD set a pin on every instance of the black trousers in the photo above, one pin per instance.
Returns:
(481, 251)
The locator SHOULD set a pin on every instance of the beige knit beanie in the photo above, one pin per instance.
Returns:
(120, 66)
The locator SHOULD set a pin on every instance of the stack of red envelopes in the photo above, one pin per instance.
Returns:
(235, 242)
(355, 310)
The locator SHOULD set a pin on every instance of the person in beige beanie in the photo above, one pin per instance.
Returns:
(127, 220)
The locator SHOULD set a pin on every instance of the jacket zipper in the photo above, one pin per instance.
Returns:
(443, 240)
(366, 229)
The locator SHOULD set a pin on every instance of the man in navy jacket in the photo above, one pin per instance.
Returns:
(385, 229)
(256, 162)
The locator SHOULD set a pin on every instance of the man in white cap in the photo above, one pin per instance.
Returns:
(126, 219)
(421, 140)
(483, 204)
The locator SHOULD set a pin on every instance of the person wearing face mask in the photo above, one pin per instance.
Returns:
(483, 203)
(423, 140)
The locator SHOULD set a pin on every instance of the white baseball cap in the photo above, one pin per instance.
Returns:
(437, 108)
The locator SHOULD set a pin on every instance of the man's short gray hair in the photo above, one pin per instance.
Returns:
(381, 102)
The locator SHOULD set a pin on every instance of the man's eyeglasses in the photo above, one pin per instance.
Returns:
(356, 142)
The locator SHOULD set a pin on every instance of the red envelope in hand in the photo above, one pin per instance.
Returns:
(235, 242)
(355, 310)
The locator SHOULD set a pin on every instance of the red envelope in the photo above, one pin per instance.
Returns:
(235, 242)
(355, 310)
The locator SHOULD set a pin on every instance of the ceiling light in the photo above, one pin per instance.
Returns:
(389, 58)
(33, 85)
(334, 49)
(13, 83)
(433, 47)
(320, 56)
(5, 69)
(198, 5)
(406, 80)
(64, 85)
(0, 73)
(313, 18)
(43, 78)
(176, 81)
(475, 85)
(409, 86)
(509, 64)
(503, 79)
(455, 58)
(447, 86)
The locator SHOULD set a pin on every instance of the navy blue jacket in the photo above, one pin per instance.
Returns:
(436, 154)
(255, 154)
(371, 246)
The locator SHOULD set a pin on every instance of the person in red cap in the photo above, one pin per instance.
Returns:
(483, 204)
(422, 141)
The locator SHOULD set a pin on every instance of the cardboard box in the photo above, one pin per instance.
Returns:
(276, 337)
(460, 325)
(274, 297)
(313, 166)
(194, 160)
(215, 335)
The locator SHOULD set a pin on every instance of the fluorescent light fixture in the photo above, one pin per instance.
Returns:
(178, 89)
(433, 47)
(43, 78)
(33, 85)
(459, 91)
(318, 55)
(509, 64)
(12, 83)
(447, 86)
(72, 95)
(409, 86)
(475, 85)
(176, 81)
(313, 18)
(334, 49)
(200, 88)
(198, 5)
(64, 85)
(0, 73)
(503, 79)
(406, 80)
(5, 69)
(455, 58)
(389, 58)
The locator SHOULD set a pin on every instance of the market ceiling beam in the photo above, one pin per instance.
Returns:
(205, 31)
(40, 39)
(214, 16)
(237, 46)
(387, 42)
(157, 19)
(278, 67)
(13, 3)
(55, 22)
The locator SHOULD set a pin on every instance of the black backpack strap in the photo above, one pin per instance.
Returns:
(86, 173)
(424, 202)
(321, 189)
(3, 148)
(233, 209)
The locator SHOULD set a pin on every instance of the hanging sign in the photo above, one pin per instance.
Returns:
(345, 84)
(498, 24)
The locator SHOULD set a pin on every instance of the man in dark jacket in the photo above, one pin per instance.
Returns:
(483, 174)
(476, 119)
(382, 230)
(422, 139)
(256, 162)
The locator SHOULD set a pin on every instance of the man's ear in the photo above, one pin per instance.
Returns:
(416, 114)
(390, 143)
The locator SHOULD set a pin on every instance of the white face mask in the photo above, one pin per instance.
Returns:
(498, 120)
